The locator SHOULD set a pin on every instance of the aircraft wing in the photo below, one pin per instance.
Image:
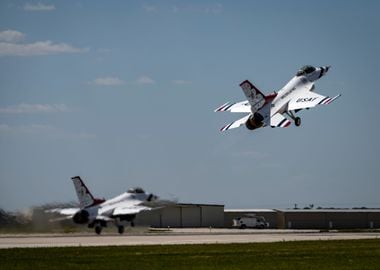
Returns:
(309, 100)
(129, 209)
(236, 124)
(104, 218)
(278, 120)
(237, 107)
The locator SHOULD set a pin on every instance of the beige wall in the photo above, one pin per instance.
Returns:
(329, 219)
(191, 216)
(183, 215)
(212, 216)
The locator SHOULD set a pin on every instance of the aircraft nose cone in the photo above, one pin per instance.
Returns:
(323, 71)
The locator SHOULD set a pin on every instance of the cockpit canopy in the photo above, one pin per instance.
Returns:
(136, 190)
(305, 70)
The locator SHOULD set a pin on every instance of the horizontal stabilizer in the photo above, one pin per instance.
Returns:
(237, 107)
(236, 123)
(64, 211)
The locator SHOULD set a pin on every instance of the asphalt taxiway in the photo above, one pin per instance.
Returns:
(175, 237)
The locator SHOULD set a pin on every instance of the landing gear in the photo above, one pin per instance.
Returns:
(123, 221)
(297, 120)
(98, 229)
(120, 229)
(98, 225)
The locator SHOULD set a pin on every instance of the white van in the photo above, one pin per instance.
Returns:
(250, 222)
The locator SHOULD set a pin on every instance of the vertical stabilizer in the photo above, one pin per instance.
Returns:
(255, 97)
(84, 195)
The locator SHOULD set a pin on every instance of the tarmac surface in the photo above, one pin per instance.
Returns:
(175, 237)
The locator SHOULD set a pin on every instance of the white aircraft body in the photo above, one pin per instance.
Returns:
(121, 209)
(271, 110)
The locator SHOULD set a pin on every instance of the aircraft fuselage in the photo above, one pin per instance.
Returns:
(291, 90)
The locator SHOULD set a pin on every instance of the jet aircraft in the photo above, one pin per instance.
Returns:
(271, 110)
(121, 209)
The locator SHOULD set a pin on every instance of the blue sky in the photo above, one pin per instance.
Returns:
(122, 93)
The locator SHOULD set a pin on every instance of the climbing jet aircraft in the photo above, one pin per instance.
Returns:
(271, 110)
(120, 210)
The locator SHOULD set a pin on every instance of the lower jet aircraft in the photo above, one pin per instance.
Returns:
(120, 210)
(271, 110)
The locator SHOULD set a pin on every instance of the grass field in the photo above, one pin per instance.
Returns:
(347, 254)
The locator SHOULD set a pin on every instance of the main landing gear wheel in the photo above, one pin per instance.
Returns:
(98, 229)
(297, 121)
(120, 229)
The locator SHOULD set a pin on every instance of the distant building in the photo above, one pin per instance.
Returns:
(212, 215)
(328, 219)
(184, 216)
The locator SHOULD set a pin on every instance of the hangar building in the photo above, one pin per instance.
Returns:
(328, 219)
(213, 215)
(311, 218)
(184, 216)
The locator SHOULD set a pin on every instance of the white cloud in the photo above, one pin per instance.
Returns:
(11, 36)
(150, 8)
(143, 80)
(37, 48)
(46, 131)
(4, 128)
(216, 8)
(180, 82)
(104, 50)
(27, 129)
(175, 9)
(108, 81)
(186, 7)
(38, 7)
(34, 108)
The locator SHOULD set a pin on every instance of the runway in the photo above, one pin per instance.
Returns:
(174, 237)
